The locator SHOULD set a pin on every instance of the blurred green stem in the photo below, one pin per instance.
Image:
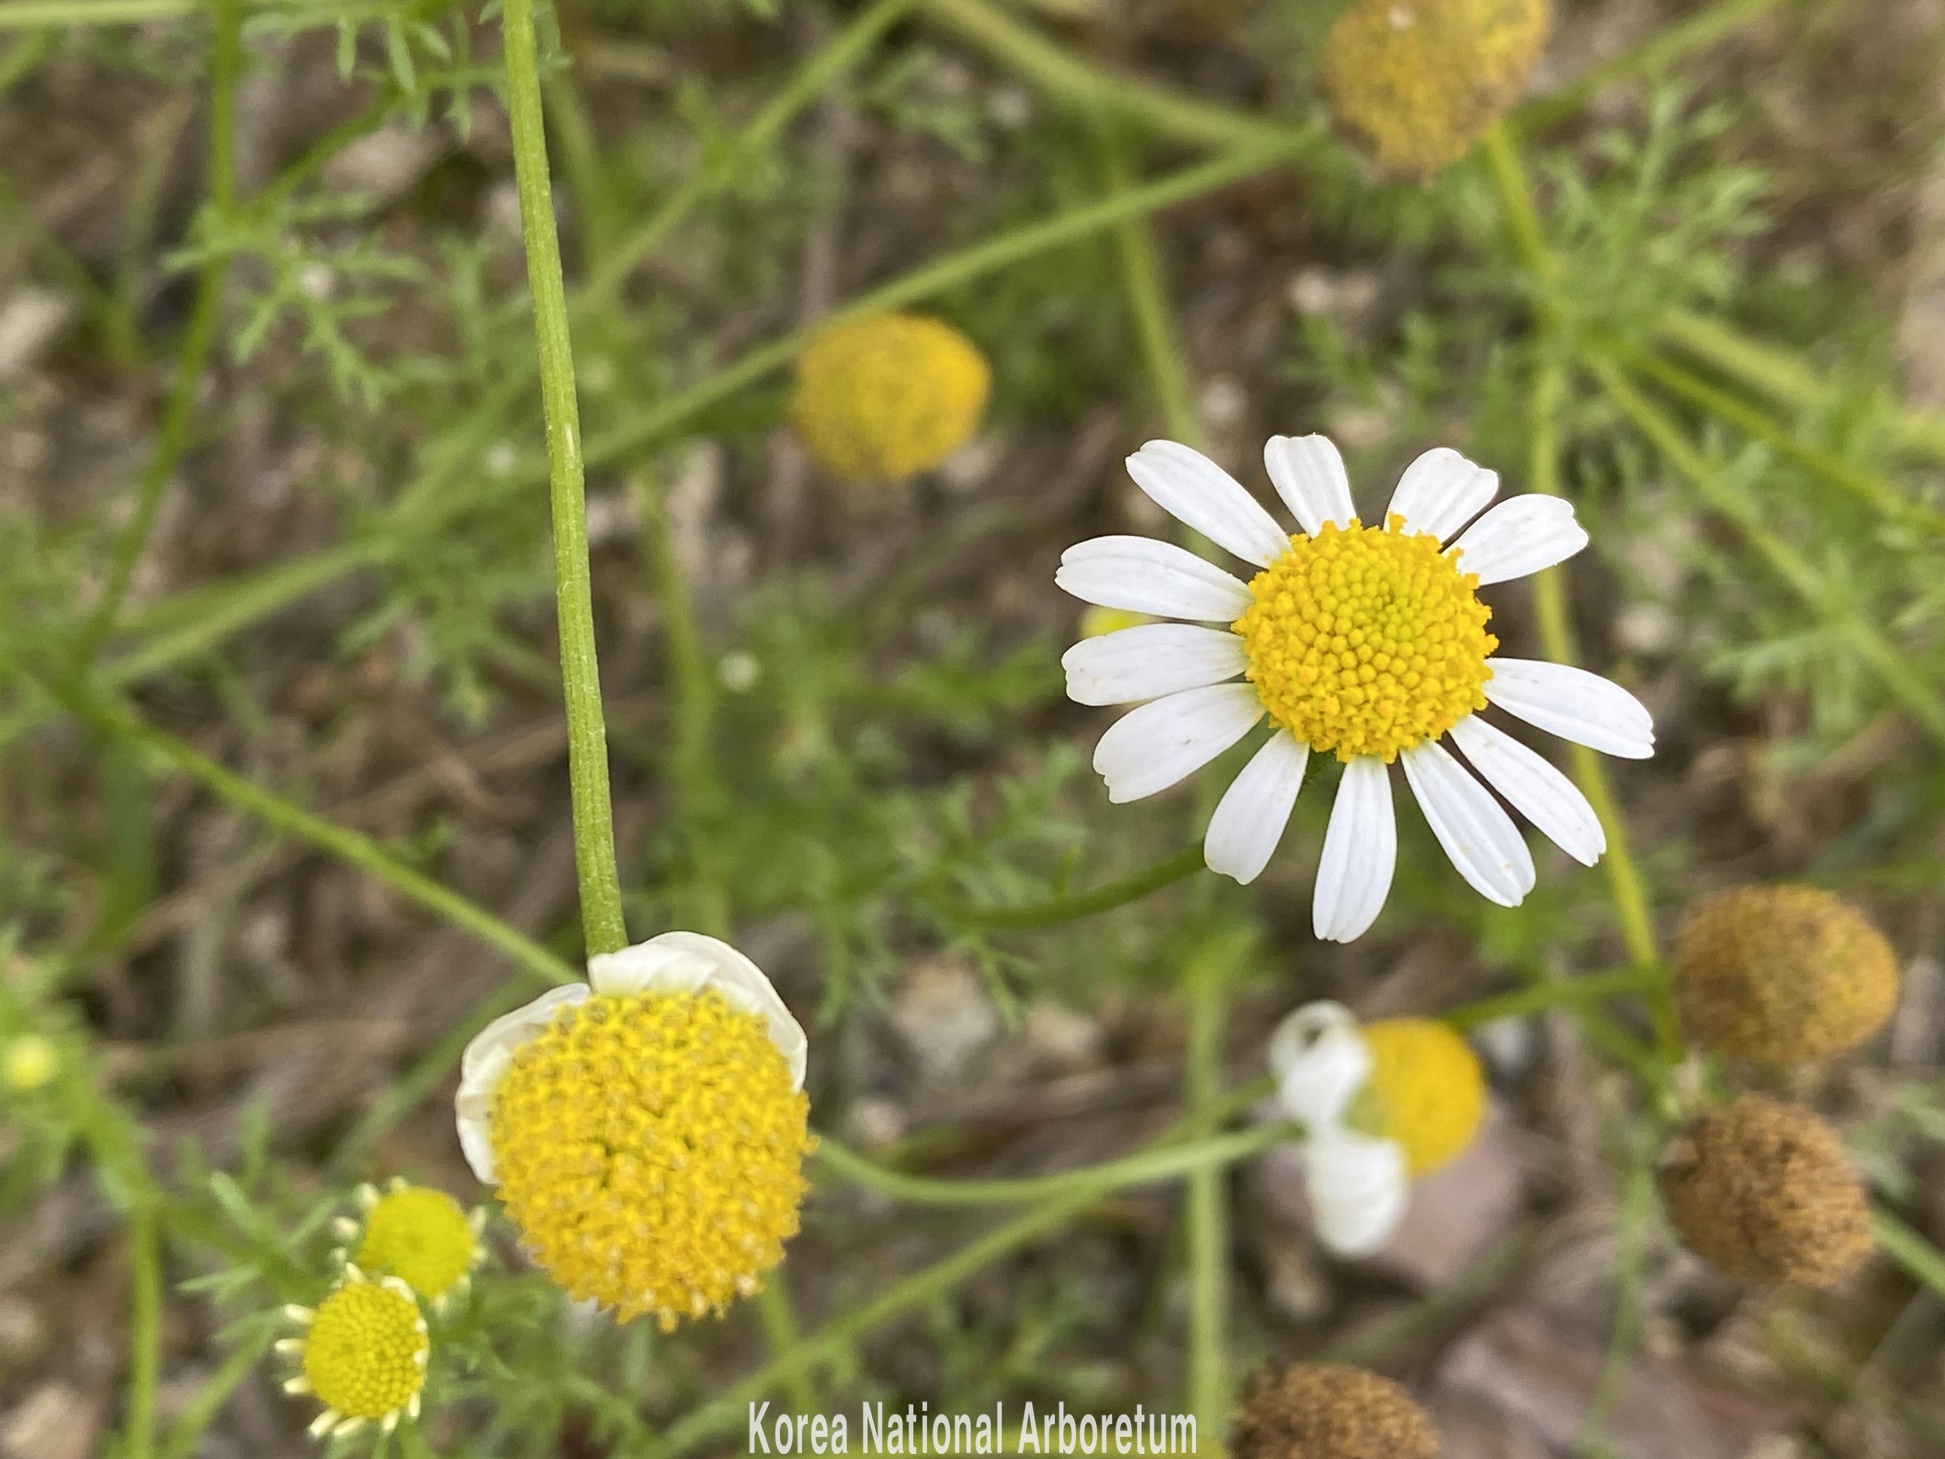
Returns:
(145, 1332)
(198, 338)
(28, 14)
(587, 736)
(1155, 326)
(1064, 909)
(1544, 997)
(1910, 1250)
(1205, 984)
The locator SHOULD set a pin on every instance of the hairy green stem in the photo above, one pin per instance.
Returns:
(587, 735)
(1064, 909)
(198, 339)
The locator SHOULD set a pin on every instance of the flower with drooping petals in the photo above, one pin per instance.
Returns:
(647, 1133)
(1368, 643)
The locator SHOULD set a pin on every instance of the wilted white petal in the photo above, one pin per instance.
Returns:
(1440, 492)
(1481, 839)
(1320, 1061)
(1360, 854)
(486, 1060)
(1536, 788)
(1520, 536)
(1250, 818)
(1143, 575)
(1573, 704)
(1148, 661)
(1309, 475)
(1197, 492)
(1358, 1189)
(689, 962)
(1151, 748)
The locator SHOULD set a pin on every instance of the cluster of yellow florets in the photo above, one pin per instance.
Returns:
(421, 1236)
(1328, 1411)
(363, 1354)
(650, 1149)
(1423, 79)
(881, 399)
(1366, 641)
(1426, 1090)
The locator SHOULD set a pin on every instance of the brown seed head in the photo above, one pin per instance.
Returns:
(1324, 1411)
(1764, 1191)
(1782, 974)
(1424, 79)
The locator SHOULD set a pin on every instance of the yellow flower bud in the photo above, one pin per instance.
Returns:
(1422, 80)
(30, 1062)
(880, 399)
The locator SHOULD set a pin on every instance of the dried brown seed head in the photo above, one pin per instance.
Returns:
(1326, 1411)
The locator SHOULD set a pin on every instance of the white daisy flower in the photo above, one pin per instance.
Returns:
(1366, 642)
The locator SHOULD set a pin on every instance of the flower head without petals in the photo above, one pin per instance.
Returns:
(883, 398)
(1367, 643)
(420, 1235)
(647, 1134)
(1329, 1411)
(362, 1354)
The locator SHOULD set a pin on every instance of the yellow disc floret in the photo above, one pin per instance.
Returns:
(879, 399)
(365, 1353)
(1366, 641)
(1426, 1090)
(1423, 79)
(650, 1148)
(420, 1236)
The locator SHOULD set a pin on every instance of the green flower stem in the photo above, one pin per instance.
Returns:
(198, 339)
(822, 71)
(1867, 488)
(30, 14)
(1210, 1153)
(185, 1434)
(1637, 1210)
(1064, 909)
(1780, 374)
(1543, 997)
(587, 735)
(347, 845)
(1909, 1250)
(145, 1332)
(1057, 73)
(1892, 667)
(1206, 1205)
(1449, 1300)
(1148, 301)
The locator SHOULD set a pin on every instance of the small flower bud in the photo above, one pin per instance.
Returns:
(1326, 1411)
(29, 1063)
(1764, 1191)
(1782, 974)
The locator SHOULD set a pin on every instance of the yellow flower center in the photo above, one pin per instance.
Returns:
(364, 1355)
(879, 399)
(421, 1237)
(1426, 1090)
(651, 1151)
(1366, 640)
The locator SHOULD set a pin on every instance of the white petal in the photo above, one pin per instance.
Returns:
(1360, 853)
(1146, 576)
(1573, 704)
(1320, 1061)
(1151, 748)
(1250, 818)
(1520, 536)
(1146, 662)
(1309, 475)
(1358, 1189)
(486, 1060)
(1440, 492)
(1481, 839)
(1197, 492)
(688, 962)
(1538, 790)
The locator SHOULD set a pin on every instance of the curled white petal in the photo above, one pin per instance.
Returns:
(1153, 747)
(1358, 1188)
(487, 1059)
(1309, 476)
(1320, 1061)
(1520, 536)
(1253, 812)
(1573, 704)
(1360, 854)
(1148, 661)
(1536, 788)
(689, 962)
(1477, 835)
(1200, 494)
(1142, 575)
(1440, 492)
